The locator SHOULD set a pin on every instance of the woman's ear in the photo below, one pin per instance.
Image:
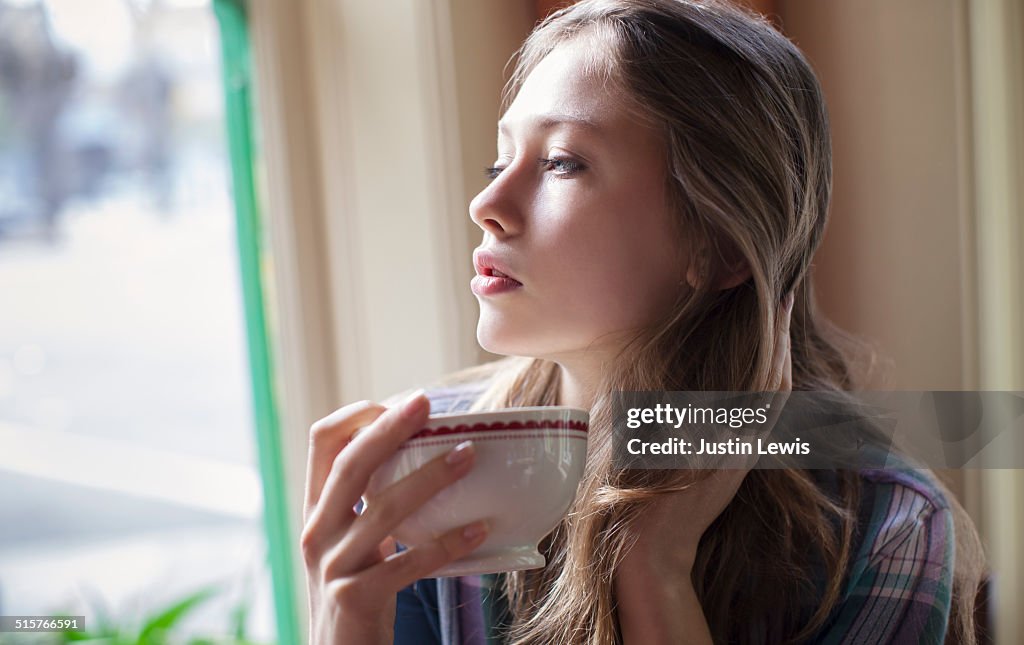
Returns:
(695, 274)
(728, 273)
(734, 277)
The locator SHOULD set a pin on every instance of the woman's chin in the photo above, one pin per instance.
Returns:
(503, 341)
(492, 343)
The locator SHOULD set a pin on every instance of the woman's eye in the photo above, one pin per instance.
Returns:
(560, 166)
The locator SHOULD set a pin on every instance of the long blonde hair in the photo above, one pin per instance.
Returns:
(748, 149)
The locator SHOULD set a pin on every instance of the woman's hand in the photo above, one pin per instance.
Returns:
(656, 599)
(352, 569)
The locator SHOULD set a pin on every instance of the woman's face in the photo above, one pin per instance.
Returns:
(577, 214)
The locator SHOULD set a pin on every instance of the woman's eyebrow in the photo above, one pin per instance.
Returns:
(551, 121)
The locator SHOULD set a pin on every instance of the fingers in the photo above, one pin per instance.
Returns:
(781, 379)
(372, 587)
(402, 569)
(350, 473)
(773, 397)
(787, 370)
(326, 439)
(782, 363)
(358, 549)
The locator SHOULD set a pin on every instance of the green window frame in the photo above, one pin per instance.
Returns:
(237, 79)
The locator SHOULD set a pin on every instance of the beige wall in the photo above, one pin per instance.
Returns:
(892, 266)
(896, 265)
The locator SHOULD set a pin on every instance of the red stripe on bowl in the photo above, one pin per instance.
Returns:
(556, 424)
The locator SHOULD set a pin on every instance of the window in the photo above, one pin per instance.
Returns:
(128, 475)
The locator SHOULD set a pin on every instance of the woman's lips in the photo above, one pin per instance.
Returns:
(492, 265)
(491, 285)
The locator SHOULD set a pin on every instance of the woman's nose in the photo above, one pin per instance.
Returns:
(496, 208)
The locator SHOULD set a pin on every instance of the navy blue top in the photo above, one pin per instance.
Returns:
(417, 618)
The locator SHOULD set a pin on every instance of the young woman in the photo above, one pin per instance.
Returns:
(662, 183)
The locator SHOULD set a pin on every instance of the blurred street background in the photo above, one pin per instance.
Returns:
(127, 463)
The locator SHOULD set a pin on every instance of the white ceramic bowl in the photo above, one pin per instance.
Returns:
(528, 465)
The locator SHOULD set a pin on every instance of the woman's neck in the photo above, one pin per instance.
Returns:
(578, 386)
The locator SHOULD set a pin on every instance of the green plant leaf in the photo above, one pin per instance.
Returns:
(154, 628)
(71, 636)
(238, 619)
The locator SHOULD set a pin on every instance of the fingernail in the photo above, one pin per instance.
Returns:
(460, 453)
(472, 532)
(414, 403)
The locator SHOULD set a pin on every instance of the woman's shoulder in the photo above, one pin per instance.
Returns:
(899, 503)
(918, 483)
(897, 495)
(898, 586)
(897, 507)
